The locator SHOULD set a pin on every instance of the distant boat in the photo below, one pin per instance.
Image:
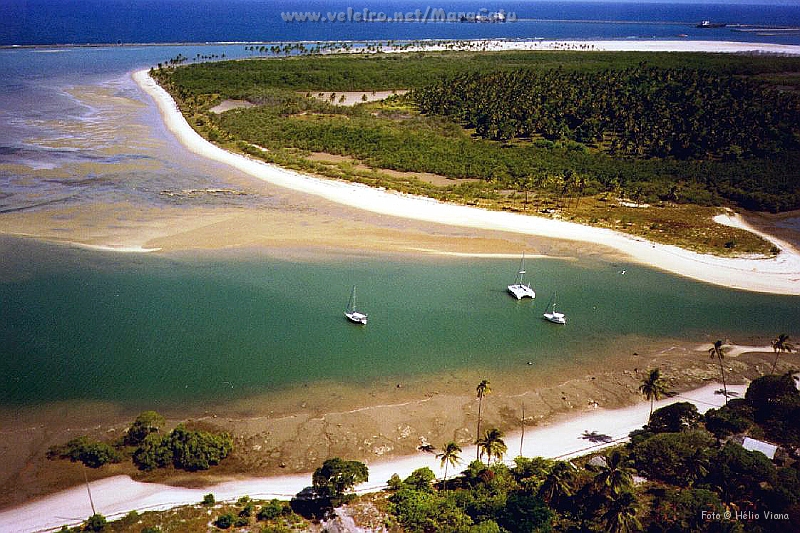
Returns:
(351, 313)
(519, 289)
(554, 316)
(709, 24)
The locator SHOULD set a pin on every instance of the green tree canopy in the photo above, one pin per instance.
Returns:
(336, 477)
(679, 416)
(146, 423)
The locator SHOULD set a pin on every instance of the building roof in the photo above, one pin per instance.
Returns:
(754, 445)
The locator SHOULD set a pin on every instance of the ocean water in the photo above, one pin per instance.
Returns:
(32, 22)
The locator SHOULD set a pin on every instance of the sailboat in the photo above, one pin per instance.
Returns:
(554, 316)
(351, 313)
(519, 289)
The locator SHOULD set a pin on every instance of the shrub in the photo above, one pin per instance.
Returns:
(96, 522)
(93, 454)
(146, 423)
(224, 521)
(270, 511)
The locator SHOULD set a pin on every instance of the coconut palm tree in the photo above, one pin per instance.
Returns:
(492, 445)
(449, 456)
(653, 387)
(780, 345)
(482, 389)
(718, 351)
(620, 515)
(617, 476)
(558, 484)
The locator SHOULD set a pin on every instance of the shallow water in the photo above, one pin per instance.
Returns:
(176, 330)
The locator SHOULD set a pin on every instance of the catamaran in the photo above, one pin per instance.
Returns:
(351, 313)
(519, 289)
(554, 316)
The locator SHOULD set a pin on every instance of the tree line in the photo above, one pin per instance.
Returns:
(644, 111)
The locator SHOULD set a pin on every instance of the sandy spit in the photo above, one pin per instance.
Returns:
(779, 275)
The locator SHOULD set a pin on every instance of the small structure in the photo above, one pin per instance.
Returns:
(753, 445)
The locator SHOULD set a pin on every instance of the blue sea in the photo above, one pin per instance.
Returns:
(51, 22)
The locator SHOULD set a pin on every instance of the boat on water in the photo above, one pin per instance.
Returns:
(709, 24)
(519, 289)
(554, 316)
(351, 313)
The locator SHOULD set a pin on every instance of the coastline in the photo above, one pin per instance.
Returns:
(562, 439)
(381, 426)
(779, 275)
(151, 496)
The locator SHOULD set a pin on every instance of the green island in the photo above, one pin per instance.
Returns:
(651, 144)
(682, 471)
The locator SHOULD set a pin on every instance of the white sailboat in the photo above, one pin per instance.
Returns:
(351, 313)
(554, 316)
(519, 289)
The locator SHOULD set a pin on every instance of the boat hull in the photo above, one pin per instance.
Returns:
(521, 291)
(556, 318)
(357, 318)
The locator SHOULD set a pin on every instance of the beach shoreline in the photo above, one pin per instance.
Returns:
(385, 410)
(779, 275)
(558, 415)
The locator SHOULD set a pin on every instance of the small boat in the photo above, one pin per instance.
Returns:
(519, 289)
(554, 316)
(709, 24)
(351, 313)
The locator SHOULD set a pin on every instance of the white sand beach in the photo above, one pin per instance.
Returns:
(626, 45)
(780, 275)
(116, 496)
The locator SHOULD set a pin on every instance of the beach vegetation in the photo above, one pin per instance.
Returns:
(481, 390)
(674, 418)
(660, 141)
(780, 345)
(96, 522)
(653, 387)
(491, 445)
(717, 352)
(146, 423)
(182, 448)
(336, 478)
(91, 453)
(450, 456)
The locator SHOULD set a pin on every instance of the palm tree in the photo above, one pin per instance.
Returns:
(780, 345)
(492, 445)
(620, 516)
(617, 476)
(482, 389)
(718, 351)
(558, 484)
(653, 387)
(449, 456)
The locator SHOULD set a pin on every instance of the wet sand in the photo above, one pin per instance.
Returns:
(295, 430)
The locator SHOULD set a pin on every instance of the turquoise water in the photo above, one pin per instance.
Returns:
(175, 330)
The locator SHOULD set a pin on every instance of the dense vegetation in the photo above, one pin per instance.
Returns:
(693, 475)
(643, 111)
(181, 448)
(680, 472)
(697, 129)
